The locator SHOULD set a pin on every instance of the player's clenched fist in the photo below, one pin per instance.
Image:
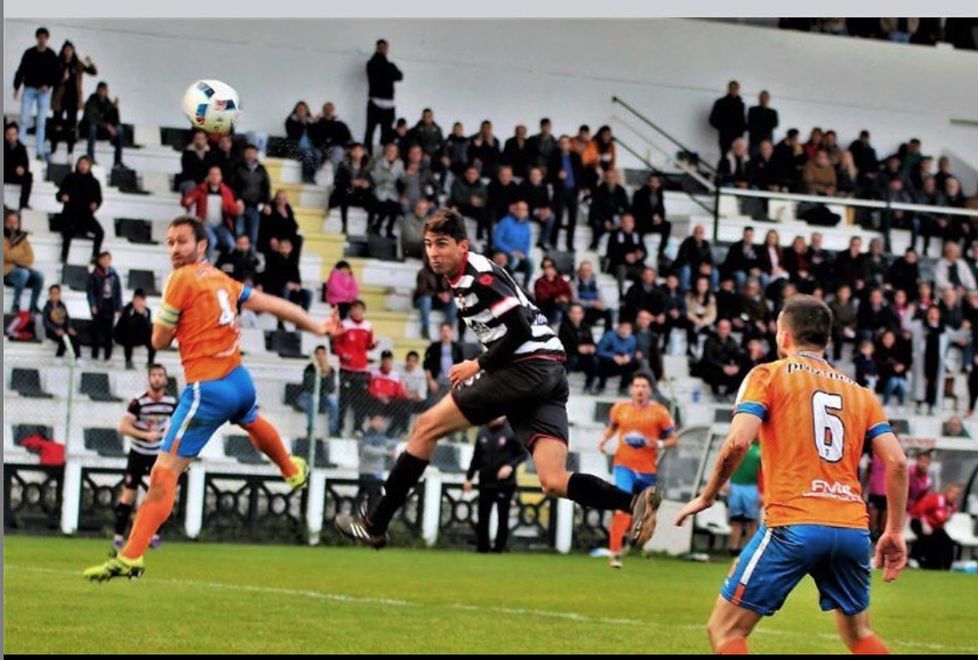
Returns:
(463, 371)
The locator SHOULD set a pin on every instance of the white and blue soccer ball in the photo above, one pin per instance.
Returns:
(212, 106)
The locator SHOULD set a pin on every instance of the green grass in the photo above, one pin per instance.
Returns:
(222, 598)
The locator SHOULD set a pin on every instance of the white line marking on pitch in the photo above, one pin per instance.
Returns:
(515, 611)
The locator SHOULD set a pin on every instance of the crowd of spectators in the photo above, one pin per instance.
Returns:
(960, 32)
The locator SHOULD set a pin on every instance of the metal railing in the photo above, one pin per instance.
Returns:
(654, 169)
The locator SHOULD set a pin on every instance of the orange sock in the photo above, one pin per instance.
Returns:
(267, 440)
(870, 645)
(619, 526)
(733, 646)
(153, 512)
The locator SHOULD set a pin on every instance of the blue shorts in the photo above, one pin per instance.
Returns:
(777, 558)
(205, 406)
(631, 481)
(743, 502)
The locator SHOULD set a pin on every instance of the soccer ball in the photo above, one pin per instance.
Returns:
(211, 106)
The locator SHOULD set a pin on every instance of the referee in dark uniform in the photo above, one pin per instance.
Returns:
(145, 422)
(497, 455)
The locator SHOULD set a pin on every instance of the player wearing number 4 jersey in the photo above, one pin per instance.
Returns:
(813, 423)
(200, 310)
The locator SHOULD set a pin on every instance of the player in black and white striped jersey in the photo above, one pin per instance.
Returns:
(520, 375)
(145, 422)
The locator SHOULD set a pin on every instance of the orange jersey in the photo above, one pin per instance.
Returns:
(201, 303)
(815, 423)
(637, 425)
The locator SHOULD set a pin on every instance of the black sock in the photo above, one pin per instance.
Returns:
(404, 475)
(122, 513)
(593, 493)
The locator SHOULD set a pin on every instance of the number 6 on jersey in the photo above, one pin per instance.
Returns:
(829, 431)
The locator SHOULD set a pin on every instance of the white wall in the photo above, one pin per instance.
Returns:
(518, 71)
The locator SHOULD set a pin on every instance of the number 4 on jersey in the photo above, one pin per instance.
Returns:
(227, 312)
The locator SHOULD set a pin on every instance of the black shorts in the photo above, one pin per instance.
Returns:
(532, 394)
(137, 467)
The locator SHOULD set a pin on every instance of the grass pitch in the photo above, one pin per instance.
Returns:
(223, 598)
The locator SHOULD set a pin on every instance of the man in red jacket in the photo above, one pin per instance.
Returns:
(214, 203)
(934, 548)
(552, 292)
(387, 394)
(351, 341)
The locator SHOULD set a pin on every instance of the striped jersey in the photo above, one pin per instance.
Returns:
(148, 413)
(484, 292)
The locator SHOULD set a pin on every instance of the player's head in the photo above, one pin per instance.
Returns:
(445, 242)
(803, 324)
(156, 373)
(641, 388)
(186, 239)
(357, 309)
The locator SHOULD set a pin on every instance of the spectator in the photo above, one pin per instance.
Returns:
(904, 311)
(501, 192)
(846, 175)
(39, 73)
(281, 277)
(340, 289)
(867, 368)
(952, 271)
(428, 135)
(761, 122)
(352, 184)
(376, 447)
(331, 135)
(81, 194)
(387, 395)
(100, 121)
(412, 230)
(195, 162)
(644, 295)
(875, 316)
(844, 320)
(743, 500)
(608, 203)
(226, 156)
(728, 300)
(496, 456)
(351, 341)
(582, 139)
(578, 339)
(787, 160)
(455, 151)
(386, 173)
(920, 482)
(18, 267)
(770, 258)
(899, 30)
(300, 129)
(617, 357)
(16, 166)
(741, 261)
(433, 292)
(468, 197)
(599, 158)
(566, 174)
(850, 265)
(930, 341)
(484, 150)
(57, 323)
(516, 152)
(954, 428)
(701, 312)
(543, 145)
(732, 168)
(328, 401)
(648, 340)
(943, 172)
(814, 142)
(693, 252)
(755, 316)
(864, 157)
(821, 259)
(722, 357)
(727, 117)
(240, 263)
(439, 358)
(893, 359)
(381, 76)
(798, 265)
(896, 194)
(105, 302)
(930, 225)
(552, 292)
(761, 173)
(253, 187)
(218, 210)
(135, 328)
(904, 273)
(952, 312)
(512, 237)
(415, 382)
(934, 549)
(278, 223)
(649, 209)
(626, 252)
(876, 497)
(418, 181)
(536, 193)
(402, 137)
(675, 310)
(830, 144)
(587, 293)
(819, 175)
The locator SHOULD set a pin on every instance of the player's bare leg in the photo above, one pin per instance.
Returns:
(267, 440)
(435, 423)
(857, 635)
(729, 626)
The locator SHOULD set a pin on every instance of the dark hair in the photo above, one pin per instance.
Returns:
(41, 30)
(381, 42)
(11, 124)
(251, 146)
(387, 354)
(445, 222)
(863, 133)
(646, 376)
(358, 303)
(153, 367)
(103, 253)
(792, 132)
(412, 354)
(321, 347)
(545, 120)
(200, 232)
(426, 110)
(54, 286)
(808, 319)
(101, 85)
(138, 293)
(242, 235)
(81, 158)
(341, 264)
(583, 127)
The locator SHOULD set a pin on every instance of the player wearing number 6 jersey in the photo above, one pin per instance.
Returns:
(200, 310)
(813, 423)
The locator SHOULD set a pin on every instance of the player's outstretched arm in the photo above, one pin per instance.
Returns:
(891, 548)
(260, 302)
(162, 335)
(743, 430)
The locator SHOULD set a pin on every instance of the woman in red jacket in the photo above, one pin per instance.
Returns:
(934, 548)
(552, 292)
